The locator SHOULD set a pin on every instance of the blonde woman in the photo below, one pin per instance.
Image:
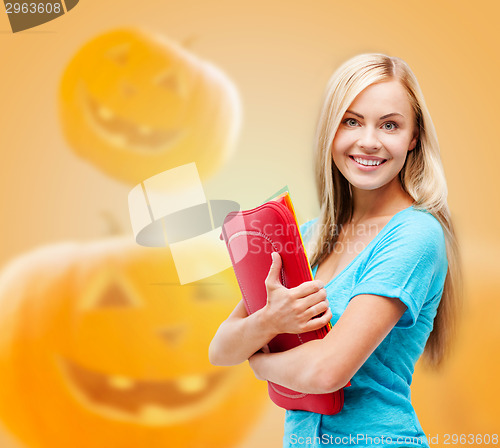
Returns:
(385, 263)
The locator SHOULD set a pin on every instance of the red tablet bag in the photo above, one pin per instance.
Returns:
(251, 236)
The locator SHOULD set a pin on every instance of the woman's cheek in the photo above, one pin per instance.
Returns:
(341, 144)
(397, 145)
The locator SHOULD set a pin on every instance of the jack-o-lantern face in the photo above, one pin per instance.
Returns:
(135, 106)
(109, 341)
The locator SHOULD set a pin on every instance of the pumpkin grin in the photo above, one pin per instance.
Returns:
(151, 402)
(124, 133)
(135, 104)
(107, 350)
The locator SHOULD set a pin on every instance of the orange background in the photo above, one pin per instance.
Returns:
(280, 55)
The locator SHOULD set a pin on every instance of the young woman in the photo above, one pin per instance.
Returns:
(385, 261)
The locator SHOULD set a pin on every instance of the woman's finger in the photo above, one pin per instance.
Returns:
(316, 310)
(273, 276)
(307, 302)
(318, 322)
(307, 288)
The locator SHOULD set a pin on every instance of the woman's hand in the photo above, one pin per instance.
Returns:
(239, 337)
(293, 310)
(287, 311)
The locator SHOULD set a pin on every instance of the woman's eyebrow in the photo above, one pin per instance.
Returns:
(355, 113)
(391, 114)
(381, 118)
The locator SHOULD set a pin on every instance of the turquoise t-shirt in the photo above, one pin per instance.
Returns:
(406, 260)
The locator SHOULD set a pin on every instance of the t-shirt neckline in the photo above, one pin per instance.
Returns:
(371, 243)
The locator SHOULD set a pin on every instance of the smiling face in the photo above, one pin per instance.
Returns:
(120, 348)
(136, 105)
(134, 324)
(374, 136)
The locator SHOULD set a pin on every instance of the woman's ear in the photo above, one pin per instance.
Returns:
(414, 141)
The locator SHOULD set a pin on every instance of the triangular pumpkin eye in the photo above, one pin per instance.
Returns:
(114, 296)
(119, 54)
(109, 291)
(170, 81)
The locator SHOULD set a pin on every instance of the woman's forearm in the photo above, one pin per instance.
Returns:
(299, 369)
(239, 337)
(326, 365)
(288, 310)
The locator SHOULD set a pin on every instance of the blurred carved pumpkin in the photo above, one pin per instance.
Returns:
(462, 399)
(101, 347)
(135, 105)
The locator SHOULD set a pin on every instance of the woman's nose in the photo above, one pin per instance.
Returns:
(368, 139)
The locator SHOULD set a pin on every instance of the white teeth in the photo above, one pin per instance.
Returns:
(367, 162)
(192, 384)
(120, 382)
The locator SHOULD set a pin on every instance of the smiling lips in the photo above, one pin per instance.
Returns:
(370, 162)
(159, 402)
(125, 134)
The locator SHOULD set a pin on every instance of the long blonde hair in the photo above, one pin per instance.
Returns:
(422, 177)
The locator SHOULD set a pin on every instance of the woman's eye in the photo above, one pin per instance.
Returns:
(350, 122)
(390, 126)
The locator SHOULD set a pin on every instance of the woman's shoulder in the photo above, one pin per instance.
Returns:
(416, 230)
(412, 226)
(418, 222)
(411, 220)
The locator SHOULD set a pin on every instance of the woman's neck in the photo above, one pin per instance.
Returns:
(384, 201)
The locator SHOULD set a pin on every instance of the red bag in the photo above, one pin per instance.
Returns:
(250, 237)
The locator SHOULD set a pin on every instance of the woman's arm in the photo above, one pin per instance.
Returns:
(287, 311)
(239, 336)
(327, 364)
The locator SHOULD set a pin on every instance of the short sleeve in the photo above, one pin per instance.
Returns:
(408, 263)
(306, 229)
